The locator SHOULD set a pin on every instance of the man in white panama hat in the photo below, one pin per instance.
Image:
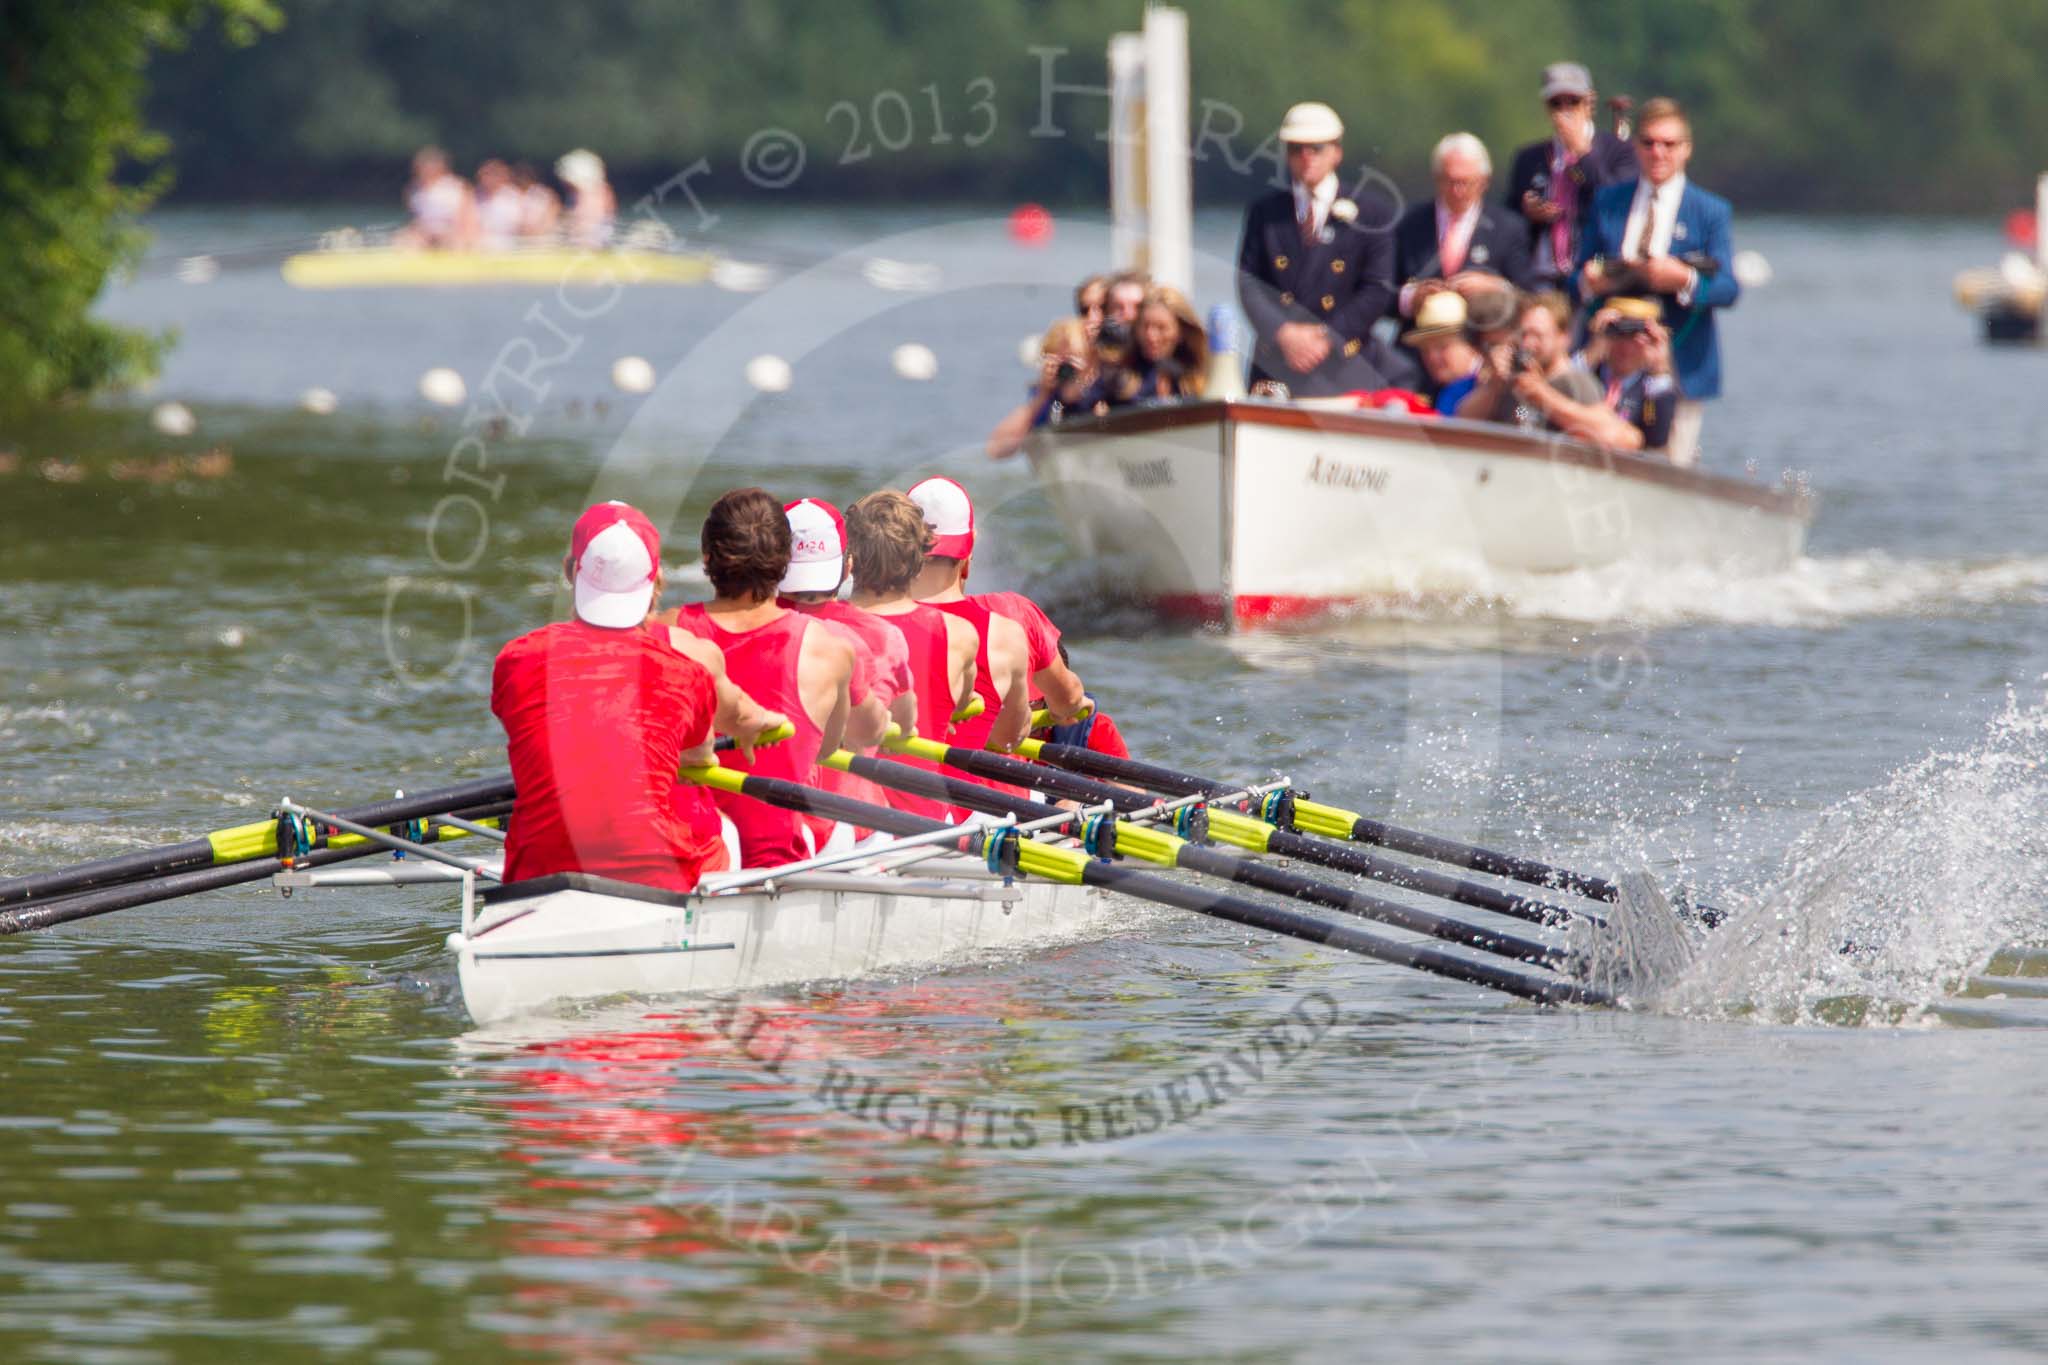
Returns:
(1315, 267)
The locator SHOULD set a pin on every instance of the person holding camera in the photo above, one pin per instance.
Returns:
(1315, 268)
(1528, 364)
(1637, 395)
(1660, 235)
(1068, 382)
(1551, 183)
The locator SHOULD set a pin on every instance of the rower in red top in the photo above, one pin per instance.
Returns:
(781, 658)
(882, 689)
(886, 541)
(599, 712)
(1015, 660)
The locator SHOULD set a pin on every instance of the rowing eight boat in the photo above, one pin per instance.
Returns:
(399, 268)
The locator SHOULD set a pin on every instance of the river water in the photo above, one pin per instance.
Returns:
(237, 1124)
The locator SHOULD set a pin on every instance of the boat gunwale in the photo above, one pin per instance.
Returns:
(1455, 433)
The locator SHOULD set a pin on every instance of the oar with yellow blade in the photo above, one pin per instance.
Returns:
(1331, 822)
(239, 843)
(1154, 845)
(47, 911)
(1245, 832)
(1005, 851)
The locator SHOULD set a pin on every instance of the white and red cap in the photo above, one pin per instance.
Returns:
(613, 556)
(950, 513)
(817, 546)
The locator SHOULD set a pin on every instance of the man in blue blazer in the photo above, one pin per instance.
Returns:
(1660, 235)
(1315, 269)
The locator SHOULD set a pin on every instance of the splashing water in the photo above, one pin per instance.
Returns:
(1896, 896)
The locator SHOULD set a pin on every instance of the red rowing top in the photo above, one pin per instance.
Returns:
(596, 721)
(763, 662)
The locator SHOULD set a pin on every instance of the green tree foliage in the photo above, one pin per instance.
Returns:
(70, 98)
(1819, 104)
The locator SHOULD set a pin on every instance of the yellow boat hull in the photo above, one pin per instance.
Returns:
(393, 268)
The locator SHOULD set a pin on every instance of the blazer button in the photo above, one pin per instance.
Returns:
(1279, 262)
(1336, 267)
(1329, 302)
(1286, 297)
(1351, 346)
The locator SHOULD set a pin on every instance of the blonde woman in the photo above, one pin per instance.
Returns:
(1066, 384)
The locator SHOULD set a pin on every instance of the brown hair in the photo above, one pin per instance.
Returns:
(1191, 352)
(1081, 292)
(888, 539)
(745, 544)
(1660, 108)
(1551, 302)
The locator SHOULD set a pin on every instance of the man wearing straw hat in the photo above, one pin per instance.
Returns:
(1315, 268)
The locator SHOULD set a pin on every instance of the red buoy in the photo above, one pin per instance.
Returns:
(1030, 225)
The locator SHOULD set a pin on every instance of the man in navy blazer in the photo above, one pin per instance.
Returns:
(1551, 183)
(1457, 232)
(1315, 269)
(1661, 235)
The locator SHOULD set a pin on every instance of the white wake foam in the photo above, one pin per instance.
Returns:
(1811, 593)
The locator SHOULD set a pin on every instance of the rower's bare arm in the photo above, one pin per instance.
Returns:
(825, 671)
(866, 723)
(738, 714)
(903, 711)
(1009, 661)
(1061, 688)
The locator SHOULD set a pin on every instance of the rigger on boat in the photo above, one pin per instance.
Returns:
(740, 804)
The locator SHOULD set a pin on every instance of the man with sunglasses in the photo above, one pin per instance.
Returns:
(1551, 183)
(1663, 236)
(1315, 267)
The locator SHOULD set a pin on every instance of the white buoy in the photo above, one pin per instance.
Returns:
(769, 373)
(1027, 352)
(1752, 271)
(902, 277)
(631, 374)
(913, 360)
(443, 387)
(319, 402)
(173, 419)
(741, 277)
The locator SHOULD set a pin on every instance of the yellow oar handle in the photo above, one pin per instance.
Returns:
(1042, 717)
(771, 736)
(243, 842)
(711, 775)
(975, 706)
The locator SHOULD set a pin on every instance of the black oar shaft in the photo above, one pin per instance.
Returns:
(1548, 989)
(1426, 880)
(198, 853)
(46, 913)
(1545, 989)
(1412, 842)
(1071, 787)
(1228, 866)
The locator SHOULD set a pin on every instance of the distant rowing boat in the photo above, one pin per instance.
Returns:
(385, 267)
(1251, 513)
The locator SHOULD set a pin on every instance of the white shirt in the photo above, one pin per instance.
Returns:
(1667, 195)
(1316, 201)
